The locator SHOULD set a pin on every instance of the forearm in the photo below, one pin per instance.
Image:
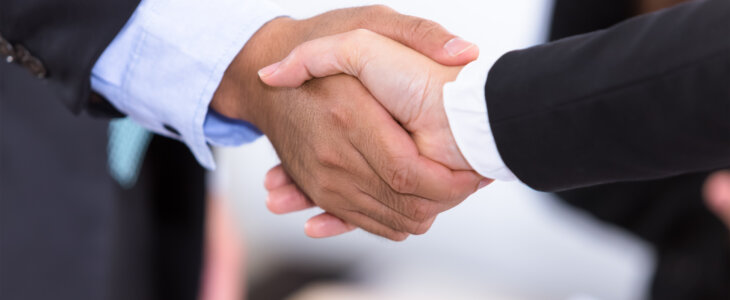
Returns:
(240, 93)
(164, 67)
(645, 99)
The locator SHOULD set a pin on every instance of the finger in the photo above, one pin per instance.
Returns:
(393, 155)
(317, 58)
(326, 225)
(429, 223)
(276, 177)
(392, 73)
(424, 36)
(370, 225)
(287, 199)
(359, 53)
(290, 198)
(368, 214)
(351, 197)
(717, 194)
(391, 217)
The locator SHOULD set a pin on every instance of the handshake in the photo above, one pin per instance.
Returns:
(352, 101)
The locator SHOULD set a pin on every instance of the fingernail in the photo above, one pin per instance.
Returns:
(270, 70)
(483, 183)
(457, 46)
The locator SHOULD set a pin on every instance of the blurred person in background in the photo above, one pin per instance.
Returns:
(692, 245)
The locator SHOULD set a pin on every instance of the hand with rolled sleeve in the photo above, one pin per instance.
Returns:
(189, 71)
(165, 64)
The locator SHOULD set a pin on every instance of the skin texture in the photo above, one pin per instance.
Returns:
(407, 84)
(336, 141)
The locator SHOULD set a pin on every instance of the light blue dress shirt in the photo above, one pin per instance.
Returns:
(164, 66)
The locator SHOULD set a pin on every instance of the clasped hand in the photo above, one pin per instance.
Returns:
(357, 118)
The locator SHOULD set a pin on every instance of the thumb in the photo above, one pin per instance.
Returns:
(424, 36)
(383, 65)
(321, 57)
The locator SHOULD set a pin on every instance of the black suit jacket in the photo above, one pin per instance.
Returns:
(691, 245)
(647, 98)
(67, 230)
(67, 37)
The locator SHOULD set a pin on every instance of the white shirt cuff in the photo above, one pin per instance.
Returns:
(165, 65)
(466, 110)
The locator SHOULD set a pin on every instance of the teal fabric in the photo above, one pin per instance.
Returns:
(128, 142)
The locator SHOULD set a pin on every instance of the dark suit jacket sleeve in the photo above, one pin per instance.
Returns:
(67, 36)
(647, 98)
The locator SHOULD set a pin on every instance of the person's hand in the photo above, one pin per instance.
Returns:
(717, 195)
(350, 156)
(406, 83)
(277, 38)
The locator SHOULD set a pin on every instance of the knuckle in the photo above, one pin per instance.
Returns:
(456, 196)
(329, 200)
(379, 9)
(297, 53)
(400, 223)
(340, 116)
(400, 179)
(451, 198)
(354, 41)
(328, 158)
(369, 16)
(359, 34)
(423, 211)
(327, 186)
(410, 226)
(397, 236)
(322, 188)
(422, 228)
(387, 197)
(422, 28)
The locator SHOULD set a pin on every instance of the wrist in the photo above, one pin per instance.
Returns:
(466, 109)
(458, 156)
(241, 95)
(440, 139)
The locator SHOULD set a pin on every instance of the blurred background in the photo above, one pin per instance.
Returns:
(505, 242)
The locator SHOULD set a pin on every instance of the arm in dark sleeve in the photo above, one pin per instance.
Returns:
(647, 98)
(67, 37)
